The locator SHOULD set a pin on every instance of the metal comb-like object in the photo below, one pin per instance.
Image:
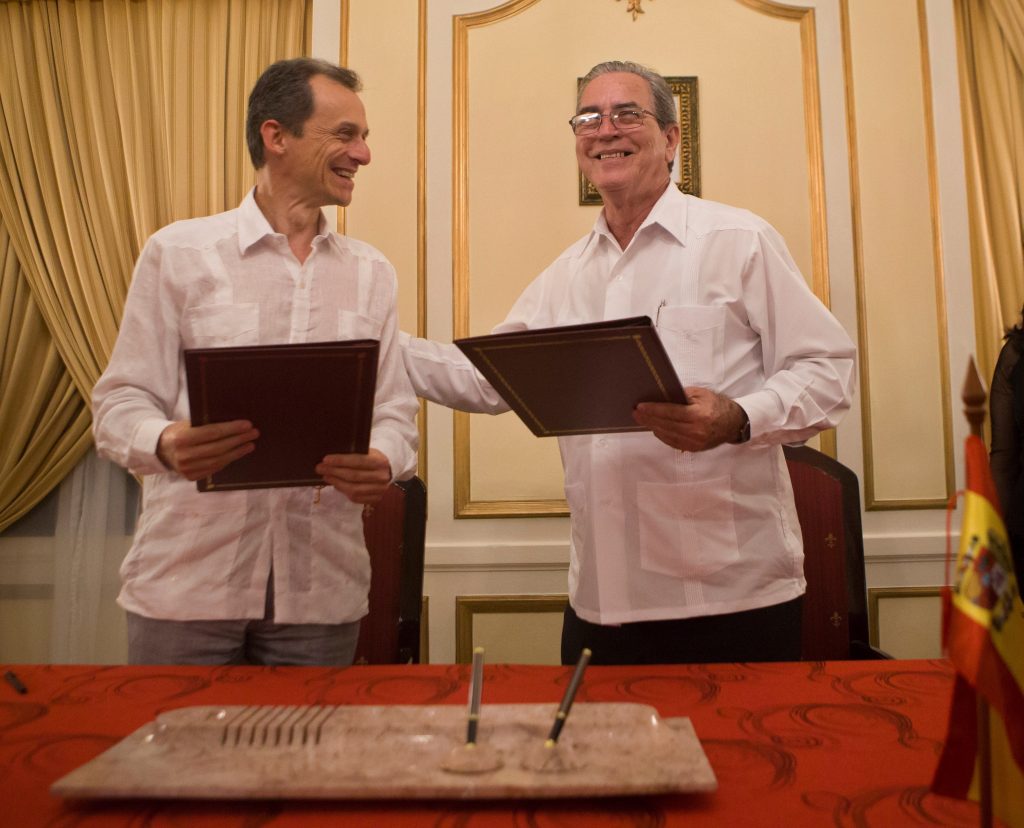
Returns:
(275, 725)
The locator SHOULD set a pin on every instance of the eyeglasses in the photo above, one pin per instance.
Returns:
(622, 120)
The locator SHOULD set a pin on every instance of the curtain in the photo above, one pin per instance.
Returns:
(89, 544)
(116, 118)
(44, 421)
(991, 41)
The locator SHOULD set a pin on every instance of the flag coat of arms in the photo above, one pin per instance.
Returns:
(983, 635)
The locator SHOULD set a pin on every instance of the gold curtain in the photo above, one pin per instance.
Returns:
(991, 42)
(116, 117)
(43, 419)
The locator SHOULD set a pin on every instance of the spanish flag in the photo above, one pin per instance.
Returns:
(983, 635)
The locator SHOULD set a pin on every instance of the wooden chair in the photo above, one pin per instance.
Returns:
(835, 620)
(394, 532)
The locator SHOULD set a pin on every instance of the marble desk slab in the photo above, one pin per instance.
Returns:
(396, 752)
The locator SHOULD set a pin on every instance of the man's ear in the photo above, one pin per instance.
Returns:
(672, 137)
(274, 137)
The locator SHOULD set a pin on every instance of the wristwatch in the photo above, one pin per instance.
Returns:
(744, 433)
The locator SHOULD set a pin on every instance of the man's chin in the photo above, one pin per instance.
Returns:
(611, 184)
(341, 195)
(340, 199)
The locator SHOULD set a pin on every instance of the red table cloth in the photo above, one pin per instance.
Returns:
(808, 743)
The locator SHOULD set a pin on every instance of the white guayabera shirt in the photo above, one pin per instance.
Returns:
(227, 280)
(658, 533)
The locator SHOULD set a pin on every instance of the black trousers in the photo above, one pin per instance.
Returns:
(765, 634)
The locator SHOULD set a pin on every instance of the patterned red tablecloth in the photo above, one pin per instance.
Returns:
(836, 743)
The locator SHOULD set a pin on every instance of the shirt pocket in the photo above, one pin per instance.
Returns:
(356, 326)
(694, 337)
(221, 326)
(687, 530)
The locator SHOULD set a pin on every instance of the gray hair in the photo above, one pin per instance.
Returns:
(664, 100)
(283, 94)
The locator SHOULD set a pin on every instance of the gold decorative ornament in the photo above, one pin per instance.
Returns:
(633, 7)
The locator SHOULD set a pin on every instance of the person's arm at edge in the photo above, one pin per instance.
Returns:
(1004, 452)
(133, 402)
(809, 359)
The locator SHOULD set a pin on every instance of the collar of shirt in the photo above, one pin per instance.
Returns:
(253, 225)
(668, 212)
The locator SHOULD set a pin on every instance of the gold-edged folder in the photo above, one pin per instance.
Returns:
(308, 400)
(577, 379)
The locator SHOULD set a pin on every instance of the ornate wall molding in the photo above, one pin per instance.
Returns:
(633, 7)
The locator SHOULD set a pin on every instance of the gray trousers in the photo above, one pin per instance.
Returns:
(241, 641)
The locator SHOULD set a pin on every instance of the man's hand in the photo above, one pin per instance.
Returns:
(199, 451)
(362, 478)
(708, 421)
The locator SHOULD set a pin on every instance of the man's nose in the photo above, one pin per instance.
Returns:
(360, 152)
(607, 126)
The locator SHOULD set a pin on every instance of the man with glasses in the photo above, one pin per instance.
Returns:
(685, 541)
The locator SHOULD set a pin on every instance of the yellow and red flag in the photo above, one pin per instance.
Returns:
(983, 635)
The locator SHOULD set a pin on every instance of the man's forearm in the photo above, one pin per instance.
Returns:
(441, 374)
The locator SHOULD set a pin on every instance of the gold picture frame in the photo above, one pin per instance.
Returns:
(688, 161)
(468, 606)
(877, 595)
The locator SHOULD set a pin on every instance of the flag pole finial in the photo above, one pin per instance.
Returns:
(974, 398)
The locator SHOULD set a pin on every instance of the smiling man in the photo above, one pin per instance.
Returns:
(267, 576)
(685, 544)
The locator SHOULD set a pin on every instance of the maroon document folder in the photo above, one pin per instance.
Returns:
(307, 400)
(577, 379)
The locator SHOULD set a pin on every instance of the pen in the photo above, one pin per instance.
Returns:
(570, 694)
(15, 682)
(475, 688)
(657, 314)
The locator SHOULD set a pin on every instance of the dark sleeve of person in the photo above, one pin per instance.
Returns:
(1005, 404)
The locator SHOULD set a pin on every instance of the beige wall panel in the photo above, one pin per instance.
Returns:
(519, 637)
(753, 143)
(902, 362)
(25, 630)
(26, 625)
(383, 44)
(909, 621)
(531, 468)
(523, 180)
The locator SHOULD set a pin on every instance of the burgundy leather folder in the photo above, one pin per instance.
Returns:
(577, 379)
(307, 400)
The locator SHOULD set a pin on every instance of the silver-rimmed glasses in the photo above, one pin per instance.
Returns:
(622, 120)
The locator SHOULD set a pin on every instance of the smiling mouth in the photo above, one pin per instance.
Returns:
(604, 156)
(350, 174)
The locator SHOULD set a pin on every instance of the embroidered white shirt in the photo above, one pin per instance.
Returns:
(658, 533)
(223, 280)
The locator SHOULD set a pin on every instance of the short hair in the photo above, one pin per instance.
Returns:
(283, 94)
(664, 100)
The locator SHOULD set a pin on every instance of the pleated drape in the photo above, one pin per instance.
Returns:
(44, 421)
(116, 118)
(991, 41)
